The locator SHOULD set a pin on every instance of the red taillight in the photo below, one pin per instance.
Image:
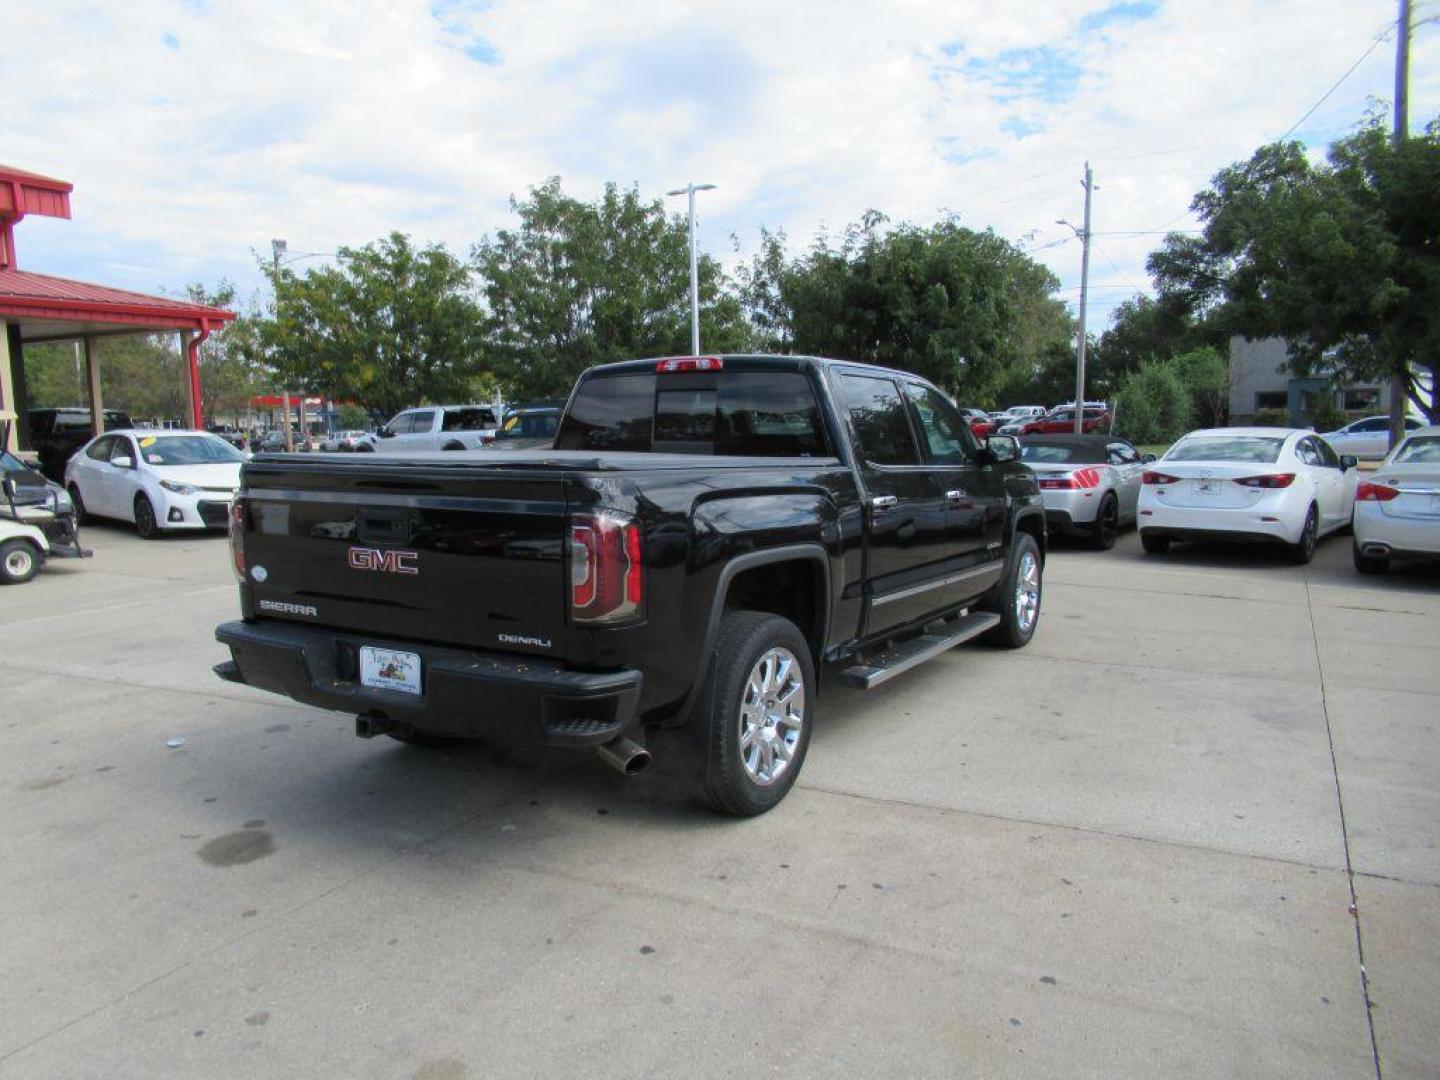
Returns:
(237, 537)
(607, 571)
(1369, 491)
(1157, 478)
(1266, 480)
(1080, 478)
(690, 363)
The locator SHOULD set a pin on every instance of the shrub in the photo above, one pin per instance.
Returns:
(1206, 376)
(1153, 405)
(1271, 418)
(1325, 415)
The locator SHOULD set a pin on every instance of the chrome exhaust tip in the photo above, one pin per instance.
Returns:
(624, 756)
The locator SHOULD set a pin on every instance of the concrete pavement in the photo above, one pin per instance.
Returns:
(1127, 850)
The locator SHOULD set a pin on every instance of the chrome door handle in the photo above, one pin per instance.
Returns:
(881, 503)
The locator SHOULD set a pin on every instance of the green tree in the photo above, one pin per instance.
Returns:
(581, 283)
(1206, 378)
(1153, 405)
(1144, 328)
(1341, 258)
(966, 309)
(391, 325)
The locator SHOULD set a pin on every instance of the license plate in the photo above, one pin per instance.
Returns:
(1206, 487)
(390, 669)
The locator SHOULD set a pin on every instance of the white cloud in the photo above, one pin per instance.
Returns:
(330, 123)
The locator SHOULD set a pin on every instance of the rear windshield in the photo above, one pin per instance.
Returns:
(1257, 449)
(1423, 449)
(189, 450)
(752, 413)
(1060, 453)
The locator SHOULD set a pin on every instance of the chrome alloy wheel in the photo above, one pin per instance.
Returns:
(772, 712)
(1027, 592)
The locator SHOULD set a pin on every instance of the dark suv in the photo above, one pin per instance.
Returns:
(55, 434)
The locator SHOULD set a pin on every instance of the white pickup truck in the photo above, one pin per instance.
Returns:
(435, 427)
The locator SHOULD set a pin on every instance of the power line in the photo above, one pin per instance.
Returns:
(1385, 33)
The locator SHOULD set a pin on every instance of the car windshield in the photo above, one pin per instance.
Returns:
(1059, 454)
(188, 450)
(1256, 449)
(1419, 449)
(10, 463)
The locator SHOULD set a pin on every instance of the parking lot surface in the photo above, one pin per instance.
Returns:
(1129, 850)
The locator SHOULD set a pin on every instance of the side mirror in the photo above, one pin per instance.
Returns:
(1348, 462)
(1003, 447)
(123, 462)
(384, 432)
(1147, 458)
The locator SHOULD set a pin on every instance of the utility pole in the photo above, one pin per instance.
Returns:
(1084, 235)
(690, 190)
(278, 248)
(1400, 374)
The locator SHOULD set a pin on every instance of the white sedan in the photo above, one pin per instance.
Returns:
(1247, 484)
(1397, 510)
(160, 480)
(1368, 438)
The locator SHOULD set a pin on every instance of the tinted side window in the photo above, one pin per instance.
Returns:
(467, 420)
(122, 448)
(1306, 452)
(1328, 457)
(1121, 453)
(945, 431)
(100, 449)
(610, 412)
(421, 422)
(882, 430)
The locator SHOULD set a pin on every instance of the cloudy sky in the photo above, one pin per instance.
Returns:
(196, 130)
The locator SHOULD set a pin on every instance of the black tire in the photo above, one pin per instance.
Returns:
(1153, 544)
(1106, 526)
(20, 560)
(1015, 629)
(1303, 550)
(81, 515)
(726, 784)
(145, 523)
(1368, 564)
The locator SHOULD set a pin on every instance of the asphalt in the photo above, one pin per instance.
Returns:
(1190, 831)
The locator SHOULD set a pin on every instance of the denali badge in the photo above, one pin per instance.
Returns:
(390, 562)
(524, 639)
(289, 609)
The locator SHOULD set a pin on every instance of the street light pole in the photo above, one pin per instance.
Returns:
(1084, 235)
(689, 190)
(278, 248)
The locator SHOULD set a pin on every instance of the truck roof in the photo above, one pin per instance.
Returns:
(775, 361)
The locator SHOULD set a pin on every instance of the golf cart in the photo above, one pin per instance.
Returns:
(37, 519)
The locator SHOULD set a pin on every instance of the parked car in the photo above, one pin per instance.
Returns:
(1024, 412)
(1090, 483)
(160, 480)
(979, 420)
(530, 427)
(1247, 484)
(706, 531)
(1368, 438)
(55, 434)
(435, 427)
(342, 441)
(1062, 420)
(1397, 509)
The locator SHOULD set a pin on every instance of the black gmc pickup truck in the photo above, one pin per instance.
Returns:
(705, 534)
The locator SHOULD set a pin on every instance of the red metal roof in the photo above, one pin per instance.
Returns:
(24, 294)
(23, 192)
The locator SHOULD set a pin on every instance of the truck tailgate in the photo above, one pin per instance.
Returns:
(467, 557)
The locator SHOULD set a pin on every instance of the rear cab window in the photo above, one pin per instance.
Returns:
(730, 413)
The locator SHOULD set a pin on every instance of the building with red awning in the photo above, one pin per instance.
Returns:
(42, 308)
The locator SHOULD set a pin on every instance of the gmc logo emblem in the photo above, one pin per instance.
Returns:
(388, 562)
